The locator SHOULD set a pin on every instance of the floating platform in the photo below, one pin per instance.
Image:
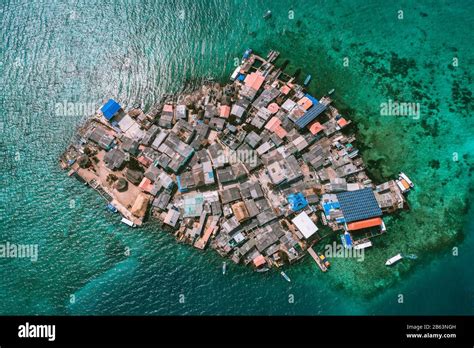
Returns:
(318, 261)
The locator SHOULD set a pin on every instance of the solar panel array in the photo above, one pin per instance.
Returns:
(358, 205)
(310, 115)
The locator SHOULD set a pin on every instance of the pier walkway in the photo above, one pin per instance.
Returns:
(316, 258)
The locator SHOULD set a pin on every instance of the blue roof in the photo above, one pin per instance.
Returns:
(310, 115)
(180, 188)
(110, 109)
(313, 99)
(359, 205)
(297, 201)
(330, 205)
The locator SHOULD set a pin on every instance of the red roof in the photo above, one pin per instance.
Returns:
(273, 108)
(273, 124)
(259, 260)
(225, 111)
(146, 185)
(145, 161)
(358, 225)
(285, 89)
(315, 128)
(281, 132)
(305, 102)
(254, 80)
(342, 122)
(168, 108)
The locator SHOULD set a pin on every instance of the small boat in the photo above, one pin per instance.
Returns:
(267, 14)
(264, 269)
(307, 80)
(110, 207)
(394, 260)
(404, 183)
(283, 274)
(410, 256)
(128, 222)
(404, 177)
(331, 91)
(324, 260)
(247, 53)
(323, 219)
(224, 267)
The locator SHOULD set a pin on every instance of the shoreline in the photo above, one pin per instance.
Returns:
(174, 164)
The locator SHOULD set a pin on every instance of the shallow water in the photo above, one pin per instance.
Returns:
(134, 51)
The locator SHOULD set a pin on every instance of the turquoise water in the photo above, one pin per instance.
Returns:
(134, 51)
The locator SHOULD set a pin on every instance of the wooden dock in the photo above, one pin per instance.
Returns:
(316, 258)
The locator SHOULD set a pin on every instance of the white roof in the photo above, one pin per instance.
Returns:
(171, 217)
(288, 105)
(305, 225)
(126, 122)
(134, 132)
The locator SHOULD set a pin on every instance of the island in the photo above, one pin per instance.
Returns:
(257, 169)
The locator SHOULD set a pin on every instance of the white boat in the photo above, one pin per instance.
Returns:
(403, 185)
(283, 274)
(363, 245)
(404, 177)
(394, 259)
(224, 267)
(128, 222)
(235, 73)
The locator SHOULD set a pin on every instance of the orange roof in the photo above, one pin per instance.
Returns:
(358, 225)
(225, 111)
(305, 102)
(285, 89)
(168, 108)
(281, 132)
(315, 128)
(405, 184)
(342, 122)
(259, 260)
(146, 185)
(273, 108)
(145, 161)
(273, 124)
(254, 80)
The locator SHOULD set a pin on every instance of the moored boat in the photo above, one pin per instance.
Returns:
(307, 80)
(224, 267)
(128, 222)
(404, 183)
(410, 256)
(404, 177)
(283, 274)
(394, 260)
(264, 269)
(110, 207)
(324, 260)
